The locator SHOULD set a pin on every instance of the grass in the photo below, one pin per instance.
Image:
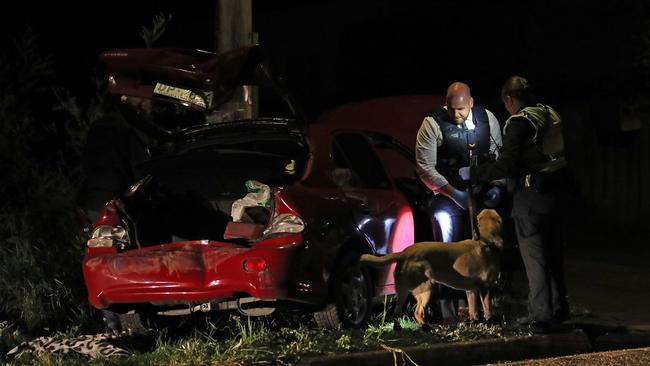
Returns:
(280, 339)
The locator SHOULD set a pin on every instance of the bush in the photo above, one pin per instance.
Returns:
(41, 284)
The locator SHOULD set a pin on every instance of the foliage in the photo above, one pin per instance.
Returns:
(41, 284)
(151, 36)
(42, 135)
(250, 341)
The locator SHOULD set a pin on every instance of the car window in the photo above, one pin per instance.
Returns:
(356, 164)
(397, 159)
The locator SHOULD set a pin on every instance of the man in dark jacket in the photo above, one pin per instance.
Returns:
(108, 161)
(112, 147)
(533, 159)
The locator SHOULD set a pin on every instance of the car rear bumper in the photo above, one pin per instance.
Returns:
(188, 272)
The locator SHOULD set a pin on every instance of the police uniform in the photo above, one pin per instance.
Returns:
(442, 148)
(533, 159)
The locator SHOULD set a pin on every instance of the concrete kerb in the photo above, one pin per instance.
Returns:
(615, 340)
(466, 353)
(605, 336)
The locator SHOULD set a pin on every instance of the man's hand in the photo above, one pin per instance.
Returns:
(460, 198)
(492, 197)
(464, 172)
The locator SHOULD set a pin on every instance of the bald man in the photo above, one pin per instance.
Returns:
(441, 148)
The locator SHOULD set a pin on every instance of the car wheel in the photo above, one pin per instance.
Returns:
(351, 290)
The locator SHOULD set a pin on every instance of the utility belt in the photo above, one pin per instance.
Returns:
(540, 182)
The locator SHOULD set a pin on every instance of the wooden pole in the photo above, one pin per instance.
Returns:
(234, 28)
(234, 24)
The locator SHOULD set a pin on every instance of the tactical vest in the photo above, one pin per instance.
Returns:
(454, 151)
(544, 152)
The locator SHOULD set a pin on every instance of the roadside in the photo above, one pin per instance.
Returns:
(607, 281)
(605, 278)
(609, 278)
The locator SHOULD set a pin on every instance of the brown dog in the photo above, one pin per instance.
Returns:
(468, 265)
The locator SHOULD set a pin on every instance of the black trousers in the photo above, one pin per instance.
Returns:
(453, 223)
(538, 219)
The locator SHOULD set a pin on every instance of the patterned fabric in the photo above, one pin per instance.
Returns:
(87, 346)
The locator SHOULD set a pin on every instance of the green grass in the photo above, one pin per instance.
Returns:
(276, 340)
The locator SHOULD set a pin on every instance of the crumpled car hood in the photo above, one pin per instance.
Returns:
(200, 78)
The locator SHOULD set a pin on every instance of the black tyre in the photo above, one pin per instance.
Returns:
(351, 297)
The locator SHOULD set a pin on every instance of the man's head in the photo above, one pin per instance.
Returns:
(459, 102)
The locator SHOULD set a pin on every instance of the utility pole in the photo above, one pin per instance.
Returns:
(234, 28)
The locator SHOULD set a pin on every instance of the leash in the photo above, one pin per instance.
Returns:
(471, 205)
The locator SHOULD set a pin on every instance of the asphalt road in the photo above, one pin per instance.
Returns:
(607, 282)
(608, 279)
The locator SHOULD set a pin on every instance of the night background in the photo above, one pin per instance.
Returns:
(341, 51)
(589, 59)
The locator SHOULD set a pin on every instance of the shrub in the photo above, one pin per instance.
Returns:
(41, 284)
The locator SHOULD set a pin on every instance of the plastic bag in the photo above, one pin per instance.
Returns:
(259, 194)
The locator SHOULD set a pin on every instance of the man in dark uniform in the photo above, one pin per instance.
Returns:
(112, 146)
(108, 161)
(533, 159)
(442, 148)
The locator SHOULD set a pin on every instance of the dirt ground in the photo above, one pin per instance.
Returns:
(628, 357)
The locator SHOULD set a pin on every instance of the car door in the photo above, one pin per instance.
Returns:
(380, 211)
(399, 162)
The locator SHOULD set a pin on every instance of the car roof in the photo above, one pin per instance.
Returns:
(396, 116)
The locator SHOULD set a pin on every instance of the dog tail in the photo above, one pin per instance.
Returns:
(377, 261)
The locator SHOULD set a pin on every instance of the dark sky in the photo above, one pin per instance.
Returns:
(369, 48)
(342, 50)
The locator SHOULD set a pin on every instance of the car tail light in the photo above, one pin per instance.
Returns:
(254, 264)
(107, 236)
(285, 223)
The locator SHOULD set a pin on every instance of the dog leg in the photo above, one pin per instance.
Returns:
(487, 307)
(402, 296)
(471, 305)
(422, 298)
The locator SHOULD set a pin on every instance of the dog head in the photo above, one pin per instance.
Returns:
(489, 227)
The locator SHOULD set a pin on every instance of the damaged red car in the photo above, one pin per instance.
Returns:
(245, 206)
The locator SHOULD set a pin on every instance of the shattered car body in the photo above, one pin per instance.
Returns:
(339, 187)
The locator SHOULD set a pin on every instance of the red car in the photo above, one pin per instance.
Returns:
(338, 187)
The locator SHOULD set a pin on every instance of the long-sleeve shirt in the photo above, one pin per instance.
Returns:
(509, 165)
(430, 138)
